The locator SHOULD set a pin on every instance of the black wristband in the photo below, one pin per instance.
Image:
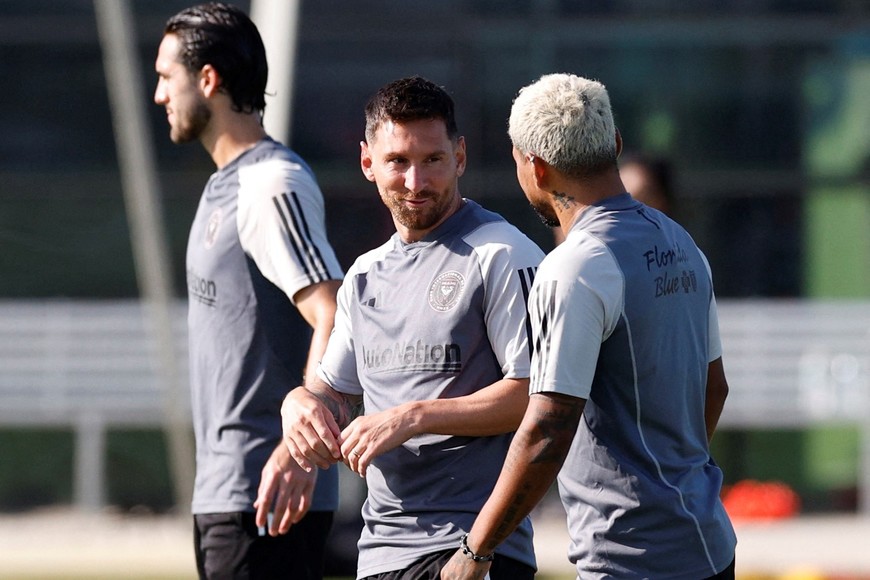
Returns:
(463, 545)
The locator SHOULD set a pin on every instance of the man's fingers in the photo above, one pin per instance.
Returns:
(313, 427)
(329, 433)
(262, 512)
(286, 522)
(356, 448)
(296, 508)
(317, 447)
(356, 461)
(264, 497)
(362, 465)
(322, 448)
(281, 507)
(297, 454)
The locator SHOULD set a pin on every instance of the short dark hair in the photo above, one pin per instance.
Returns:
(410, 99)
(223, 36)
(659, 169)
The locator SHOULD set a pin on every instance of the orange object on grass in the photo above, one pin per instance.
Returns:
(757, 500)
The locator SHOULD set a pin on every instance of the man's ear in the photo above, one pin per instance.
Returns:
(541, 171)
(618, 143)
(459, 152)
(209, 80)
(365, 161)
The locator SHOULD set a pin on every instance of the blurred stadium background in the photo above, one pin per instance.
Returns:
(760, 106)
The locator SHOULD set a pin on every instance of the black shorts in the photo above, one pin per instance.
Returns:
(726, 574)
(429, 568)
(229, 546)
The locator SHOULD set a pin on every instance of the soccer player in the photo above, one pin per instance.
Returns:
(431, 338)
(260, 276)
(647, 179)
(627, 379)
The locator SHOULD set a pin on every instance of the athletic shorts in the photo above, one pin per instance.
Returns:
(429, 568)
(726, 574)
(230, 547)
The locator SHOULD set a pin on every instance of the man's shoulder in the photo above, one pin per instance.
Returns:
(269, 154)
(488, 231)
(581, 251)
(366, 260)
(267, 149)
(272, 169)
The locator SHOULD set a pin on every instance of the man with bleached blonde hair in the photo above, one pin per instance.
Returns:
(627, 383)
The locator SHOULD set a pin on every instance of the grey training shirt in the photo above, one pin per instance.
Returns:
(258, 238)
(623, 315)
(442, 317)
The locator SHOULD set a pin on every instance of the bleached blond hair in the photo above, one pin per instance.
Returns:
(567, 121)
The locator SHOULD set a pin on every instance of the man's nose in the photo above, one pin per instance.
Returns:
(159, 93)
(414, 179)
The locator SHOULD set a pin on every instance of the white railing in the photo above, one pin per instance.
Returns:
(60, 360)
(90, 365)
(793, 363)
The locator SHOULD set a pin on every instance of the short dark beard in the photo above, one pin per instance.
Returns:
(549, 221)
(195, 126)
(419, 220)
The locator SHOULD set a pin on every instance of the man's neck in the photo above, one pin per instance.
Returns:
(231, 135)
(574, 197)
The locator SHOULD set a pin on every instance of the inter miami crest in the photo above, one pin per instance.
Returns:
(211, 229)
(445, 291)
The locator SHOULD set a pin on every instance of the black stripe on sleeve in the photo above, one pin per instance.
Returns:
(546, 307)
(296, 249)
(314, 250)
(527, 276)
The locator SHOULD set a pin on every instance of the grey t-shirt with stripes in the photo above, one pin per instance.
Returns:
(257, 239)
(623, 315)
(442, 317)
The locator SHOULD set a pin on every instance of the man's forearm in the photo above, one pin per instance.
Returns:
(317, 304)
(495, 409)
(534, 459)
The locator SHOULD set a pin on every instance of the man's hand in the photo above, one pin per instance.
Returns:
(311, 433)
(285, 489)
(369, 436)
(461, 567)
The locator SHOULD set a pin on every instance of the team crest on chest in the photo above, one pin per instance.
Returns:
(212, 228)
(445, 290)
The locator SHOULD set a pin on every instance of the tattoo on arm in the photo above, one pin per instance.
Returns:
(548, 444)
(345, 408)
(514, 513)
(557, 426)
(563, 199)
